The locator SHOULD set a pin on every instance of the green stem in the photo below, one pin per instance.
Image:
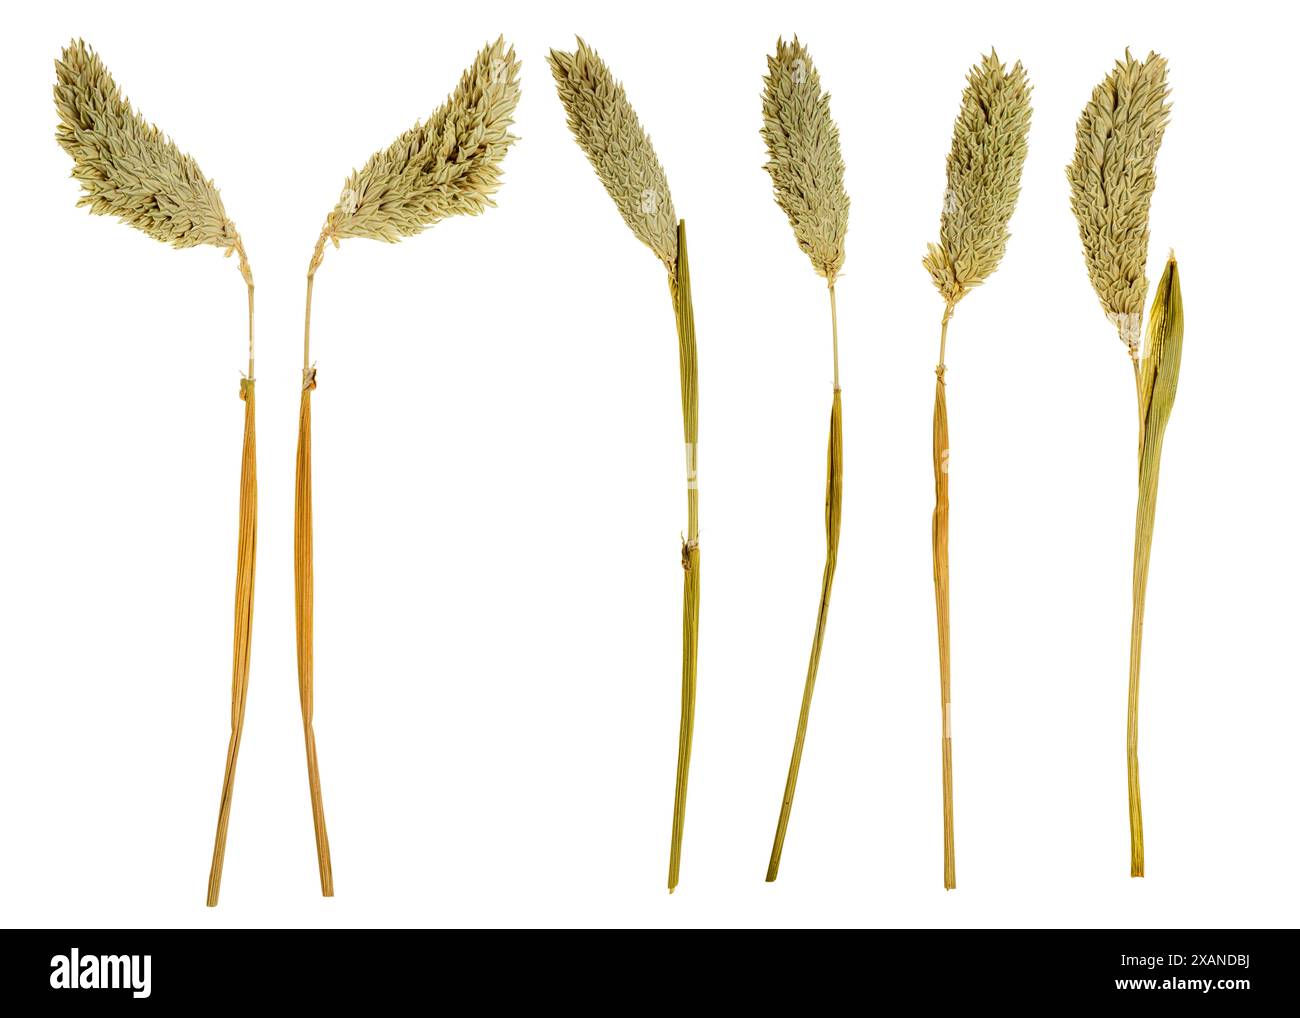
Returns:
(680, 285)
(834, 493)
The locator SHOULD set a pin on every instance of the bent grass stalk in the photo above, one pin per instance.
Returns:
(608, 131)
(446, 166)
(989, 144)
(1112, 179)
(807, 170)
(129, 169)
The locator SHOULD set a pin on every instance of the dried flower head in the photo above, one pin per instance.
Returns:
(803, 146)
(127, 167)
(449, 165)
(988, 153)
(1111, 181)
(607, 129)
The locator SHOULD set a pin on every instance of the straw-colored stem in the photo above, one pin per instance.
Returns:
(834, 488)
(835, 338)
(244, 569)
(939, 538)
(246, 271)
(317, 256)
(304, 590)
(680, 286)
(1148, 483)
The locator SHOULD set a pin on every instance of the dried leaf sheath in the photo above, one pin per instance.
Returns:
(245, 563)
(939, 539)
(680, 284)
(834, 493)
(304, 589)
(1159, 380)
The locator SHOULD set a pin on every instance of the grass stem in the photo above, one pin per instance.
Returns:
(834, 493)
(304, 588)
(939, 538)
(245, 563)
(680, 285)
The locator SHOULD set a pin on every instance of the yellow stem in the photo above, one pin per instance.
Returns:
(245, 563)
(304, 585)
(939, 539)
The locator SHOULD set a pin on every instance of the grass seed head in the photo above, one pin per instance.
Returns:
(126, 166)
(1111, 181)
(989, 143)
(608, 131)
(803, 146)
(449, 165)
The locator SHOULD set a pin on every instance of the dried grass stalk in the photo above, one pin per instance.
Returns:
(448, 165)
(803, 146)
(989, 143)
(1112, 179)
(608, 131)
(129, 169)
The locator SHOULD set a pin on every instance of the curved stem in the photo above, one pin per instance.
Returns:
(245, 270)
(834, 494)
(317, 256)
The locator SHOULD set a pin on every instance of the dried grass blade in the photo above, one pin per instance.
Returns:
(1159, 383)
(245, 564)
(834, 495)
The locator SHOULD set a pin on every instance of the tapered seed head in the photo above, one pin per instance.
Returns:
(803, 147)
(449, 165)
(607, 129)
(1111, 181)
(127, 167)
(989, 142)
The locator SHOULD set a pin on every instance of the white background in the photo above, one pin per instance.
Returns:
(499, 492)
